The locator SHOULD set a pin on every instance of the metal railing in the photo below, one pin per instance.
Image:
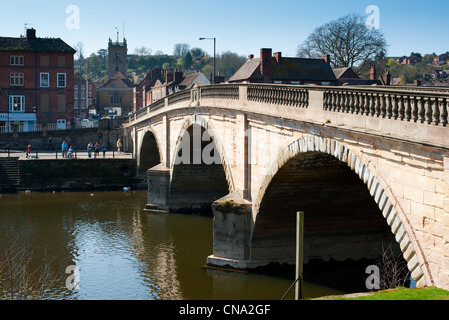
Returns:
(110, 153)
(46, 127)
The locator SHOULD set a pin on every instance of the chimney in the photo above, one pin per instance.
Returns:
(373, 73)
(168, 76)
(178, 76)
(278, 56)
(31, 34)
(251, 57)
(266, 65)
(326, 58)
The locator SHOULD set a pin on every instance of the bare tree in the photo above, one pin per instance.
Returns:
(393, 269)
(348, 41)
(19, 278)
(143, 51)
(79, 47)
(181, 49)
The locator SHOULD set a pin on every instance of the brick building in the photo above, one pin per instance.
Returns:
(115, 96)
(278, 69)
(36, 81)
(159, 84)
(85, 93)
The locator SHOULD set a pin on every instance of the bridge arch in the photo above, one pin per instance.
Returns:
(150, 154)
(380, 193)
(218, 173)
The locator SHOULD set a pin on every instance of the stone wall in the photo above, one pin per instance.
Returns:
(87, 174)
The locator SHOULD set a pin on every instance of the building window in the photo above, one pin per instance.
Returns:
(16, 60)
(62, 80)
(16, 103)
(16, 79)
(45, 80)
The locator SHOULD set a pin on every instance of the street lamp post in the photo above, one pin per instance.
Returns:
(215, 48)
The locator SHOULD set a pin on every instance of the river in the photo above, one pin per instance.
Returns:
(120, 252)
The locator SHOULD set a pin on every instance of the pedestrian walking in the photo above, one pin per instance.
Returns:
(29, 151)
(104, 147)
(97, 149)
(119, 145)
(65, 149)
(90, 146)
(50, 144)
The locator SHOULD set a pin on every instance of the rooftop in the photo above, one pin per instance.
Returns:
(289, 69)
(32, 43)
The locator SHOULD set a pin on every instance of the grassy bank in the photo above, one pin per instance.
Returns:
(429, 293)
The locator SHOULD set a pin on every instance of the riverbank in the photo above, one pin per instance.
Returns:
(400, 293)
(48, 173)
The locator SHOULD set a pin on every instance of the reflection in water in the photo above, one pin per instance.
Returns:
(124, 253)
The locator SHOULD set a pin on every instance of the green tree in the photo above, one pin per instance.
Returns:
(197, 53)
(416, 54)
(187, 61)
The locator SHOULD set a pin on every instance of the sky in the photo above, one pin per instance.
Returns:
(240, 26)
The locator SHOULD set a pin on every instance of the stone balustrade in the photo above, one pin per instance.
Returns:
(389, 110)
(419, 107)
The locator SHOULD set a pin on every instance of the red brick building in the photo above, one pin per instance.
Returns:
(85, 94)
(36, 81)
(274, 68)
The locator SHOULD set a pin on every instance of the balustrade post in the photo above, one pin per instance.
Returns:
(362, 103)
(339, 98)
(408, 109)
(422, 110)
(377, 97)
(402, 108)
(444, 112)
(333, 101)
(429, 111)
(383, 106)
(389, 108)
(352, 102)
(436, 112)
(325, 100)
(343, 102)
(368, 104)
(415, 109)
(356, 103)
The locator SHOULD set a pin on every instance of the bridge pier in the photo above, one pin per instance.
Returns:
(158, 189)
(232, 225)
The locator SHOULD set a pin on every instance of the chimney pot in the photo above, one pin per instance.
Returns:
(326, 58)
(31, 34)
(373, 73)
(278, 56)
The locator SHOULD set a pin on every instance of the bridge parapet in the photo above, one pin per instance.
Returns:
(416, 106)
(419, 115)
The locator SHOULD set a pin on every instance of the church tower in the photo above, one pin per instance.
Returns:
(118, 57)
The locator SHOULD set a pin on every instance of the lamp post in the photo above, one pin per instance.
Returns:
(215, 48)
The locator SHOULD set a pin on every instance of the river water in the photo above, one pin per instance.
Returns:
(120, 252)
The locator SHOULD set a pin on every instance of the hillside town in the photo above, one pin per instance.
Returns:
(41, 83)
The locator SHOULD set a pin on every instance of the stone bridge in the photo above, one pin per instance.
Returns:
(368, 166)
